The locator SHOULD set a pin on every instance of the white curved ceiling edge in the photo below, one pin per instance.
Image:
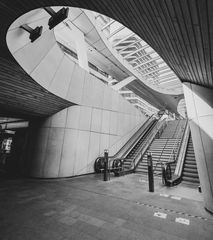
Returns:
(18, 43)
(124, 63)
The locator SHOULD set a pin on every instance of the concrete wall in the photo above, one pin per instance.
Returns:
(68, 143)
(199, 103)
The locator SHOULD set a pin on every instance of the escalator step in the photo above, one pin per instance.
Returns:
(191, 175)
(190, 170)
(190, 166)
(188, 179)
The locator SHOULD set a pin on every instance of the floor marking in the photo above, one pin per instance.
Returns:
(160, 215)
(176, 197)
(141, 204)
(164, 195)
(67, 220)
(50, 213)
(182, 220)
(27, 200)
(143, 180)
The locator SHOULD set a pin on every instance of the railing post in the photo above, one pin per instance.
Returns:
(163, 174)
(150, 172)
(106, 161)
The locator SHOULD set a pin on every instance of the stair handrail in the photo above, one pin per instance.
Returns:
(159, 158)
(154, 131)
(179, 159)
(182, 152)
(135, 137)
(147, 143)
(176, 128)
(172, 154)
(138, 133)
(176, 144)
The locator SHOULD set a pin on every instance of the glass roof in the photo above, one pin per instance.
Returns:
(142, 58)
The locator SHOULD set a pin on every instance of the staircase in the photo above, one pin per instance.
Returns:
(135, 150)
(190, 174)
(162, 148)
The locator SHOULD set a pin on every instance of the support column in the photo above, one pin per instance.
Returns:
(199, 104)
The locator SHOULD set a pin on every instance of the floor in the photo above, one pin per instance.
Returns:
(88, 208)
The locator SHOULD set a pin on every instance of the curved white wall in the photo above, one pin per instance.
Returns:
(199, 103)
(67, 143)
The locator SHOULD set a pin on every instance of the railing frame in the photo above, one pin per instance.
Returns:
(161, 124)
(179, 159)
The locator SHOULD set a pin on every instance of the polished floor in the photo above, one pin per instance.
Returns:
(87, 208)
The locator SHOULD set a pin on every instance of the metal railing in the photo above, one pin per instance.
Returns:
(113, 159)
(169, 178)
(158, 127)
(128, 146)
(173, 154)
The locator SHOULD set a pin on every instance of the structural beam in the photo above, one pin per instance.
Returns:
(130, 45)
(169, 76)
(156, 70)
(123, 39)
(115, 32)
(144, 63)
(107, 25)
(140, 49)
(123, 83)
(154, 65)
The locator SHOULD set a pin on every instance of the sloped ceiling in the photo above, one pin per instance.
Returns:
(180, 31)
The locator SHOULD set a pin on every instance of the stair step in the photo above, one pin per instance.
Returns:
(190, 170)
(190, 166)
(191, 175)
(189, 179)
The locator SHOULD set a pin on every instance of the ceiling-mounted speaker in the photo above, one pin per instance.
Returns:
(56, 17)
(34, 33)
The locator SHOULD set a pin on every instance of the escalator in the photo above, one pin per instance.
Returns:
(164, 148)
(124, 150)
(190, 173)
(186, 169)
(129, 158)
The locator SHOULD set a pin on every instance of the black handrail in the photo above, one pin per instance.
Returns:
(115, 165)
(167, 177)
(149, 142)
(130, 144)
(99, 162)
(133, 137)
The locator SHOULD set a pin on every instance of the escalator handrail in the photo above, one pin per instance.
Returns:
(124, 150)
(159, 125)
(176, 178)
(172, 156)
(182, 152)
(177, 143)
(146, 134)
(134, 139)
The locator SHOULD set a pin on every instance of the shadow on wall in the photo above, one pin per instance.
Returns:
(203, 147)
(67, 143)
(199, 102)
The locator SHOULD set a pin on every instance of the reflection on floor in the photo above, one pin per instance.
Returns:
(88, 208)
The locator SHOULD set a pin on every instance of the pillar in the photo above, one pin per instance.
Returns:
(199, 104)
